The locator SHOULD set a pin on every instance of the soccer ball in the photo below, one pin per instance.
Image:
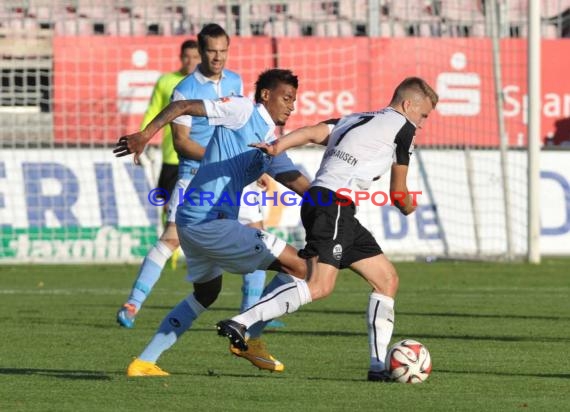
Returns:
(408, 361)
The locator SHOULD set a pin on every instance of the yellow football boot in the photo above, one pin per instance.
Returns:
(139, 367)
(258, 355)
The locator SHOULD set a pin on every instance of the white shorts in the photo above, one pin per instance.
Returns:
(177, 194)
(226, 245)
(248, 212)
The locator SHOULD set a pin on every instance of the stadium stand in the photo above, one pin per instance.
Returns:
(416, 17)
(26, 70)
(341, 18)
(282, 25)
(462, 18)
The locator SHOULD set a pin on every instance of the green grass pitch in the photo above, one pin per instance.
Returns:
(498, 336)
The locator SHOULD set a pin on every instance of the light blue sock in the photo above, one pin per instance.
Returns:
(173, 325)
(252, 289)
(278, 280)
(149, 273)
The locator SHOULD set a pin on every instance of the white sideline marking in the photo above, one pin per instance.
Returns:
(97, 291)
(62, 291)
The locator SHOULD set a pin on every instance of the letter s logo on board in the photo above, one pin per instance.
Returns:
(459, 93)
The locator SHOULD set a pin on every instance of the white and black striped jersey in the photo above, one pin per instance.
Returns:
(362, 147)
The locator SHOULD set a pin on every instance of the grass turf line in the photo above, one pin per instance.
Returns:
(497, 334)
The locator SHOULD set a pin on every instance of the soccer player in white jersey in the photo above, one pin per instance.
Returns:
(211, 237)
(360, 148)
(209, 80)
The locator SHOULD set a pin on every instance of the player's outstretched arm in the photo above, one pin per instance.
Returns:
(399, 194)
(184, 144)
(135, 143)
(294, 180)
(317, 134)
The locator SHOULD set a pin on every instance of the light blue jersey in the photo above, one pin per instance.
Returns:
(229, 164)
(197, 86)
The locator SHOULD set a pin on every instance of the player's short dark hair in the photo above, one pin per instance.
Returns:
(417, 84)
(271, 78)
(188, 44)
(211, 30)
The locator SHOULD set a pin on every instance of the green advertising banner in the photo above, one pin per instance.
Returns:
(74, 205)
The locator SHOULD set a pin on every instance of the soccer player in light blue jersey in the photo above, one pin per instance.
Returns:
(209, 80)
(211, 236)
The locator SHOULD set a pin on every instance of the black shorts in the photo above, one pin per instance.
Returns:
(168, 177)
(332, 231)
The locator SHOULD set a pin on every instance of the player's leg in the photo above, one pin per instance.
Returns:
(207, 280)
(253, 282)
(178, 321)
(252, 288)
(280, 279)
(379, 272)
(325, 238)
(181, 317)
(167, 182)
(250, 214)
(285, 295)
(153, 264)
(256, 351)
(149, 273)
(239, 249)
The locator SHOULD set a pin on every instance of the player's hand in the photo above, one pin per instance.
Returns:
(268, 148)
(263, 182)
(131, 144)
(406, 210)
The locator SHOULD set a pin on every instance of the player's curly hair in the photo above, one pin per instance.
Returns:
(271, 78)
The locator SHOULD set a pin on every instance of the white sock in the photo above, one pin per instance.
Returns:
(380, 327)
(160, 253)
(285, 299)
(255, 330)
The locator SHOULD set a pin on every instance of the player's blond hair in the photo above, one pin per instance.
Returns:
(414, 84)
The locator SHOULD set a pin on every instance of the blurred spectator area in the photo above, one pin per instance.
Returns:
(27, 27)
(340, 18)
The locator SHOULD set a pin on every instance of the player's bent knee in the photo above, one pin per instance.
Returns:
(326, 291)
(320, 290)
(170, 236)
(305, 268)
(172, 243)
(206, 298)
(207, 293)
(387, 284)
(394, 282)
(318, 293)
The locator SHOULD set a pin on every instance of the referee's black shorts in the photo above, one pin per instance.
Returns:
(332, 231)
(168, 177)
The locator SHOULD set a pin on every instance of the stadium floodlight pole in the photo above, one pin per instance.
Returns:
(533, 131)
(244, 27)
(493, 8)
(229, 16)
(374, 18)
